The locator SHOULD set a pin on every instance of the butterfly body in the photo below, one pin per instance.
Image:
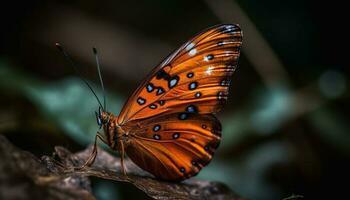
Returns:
(167, 126)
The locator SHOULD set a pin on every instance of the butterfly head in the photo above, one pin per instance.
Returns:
(107, 122)
(102, 117)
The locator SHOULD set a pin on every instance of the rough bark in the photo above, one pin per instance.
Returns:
(24, 176)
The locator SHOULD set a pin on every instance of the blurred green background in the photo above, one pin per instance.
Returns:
(286, 124)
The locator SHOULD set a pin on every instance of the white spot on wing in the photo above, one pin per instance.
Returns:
(189, 46)
(230, 28)
(209, 70)
(192, 52)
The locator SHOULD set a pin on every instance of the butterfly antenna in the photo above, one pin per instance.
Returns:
(67, 57)
(100, 77)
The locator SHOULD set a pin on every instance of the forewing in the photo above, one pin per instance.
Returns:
(195, 78)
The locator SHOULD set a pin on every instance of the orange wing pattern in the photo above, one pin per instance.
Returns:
(167, 125)
(172, 147)
(193, 79)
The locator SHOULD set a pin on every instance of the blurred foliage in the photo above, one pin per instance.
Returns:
(333, 128)
(285, 128)
(67, 102)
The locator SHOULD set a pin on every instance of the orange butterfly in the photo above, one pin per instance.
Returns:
(167, 126)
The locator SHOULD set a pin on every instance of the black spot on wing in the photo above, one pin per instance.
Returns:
(161, 74)
(156, 128)
(150, 87)
(191, 109)
(176, 135)
(141, 101)
(183, 116)
(190, 75)
(152, 106)
(160, 91)
(198, 94)
(156, 137)
(173, 81)
(210, 57)
(161, 102)
(192, 85)
(182, 170)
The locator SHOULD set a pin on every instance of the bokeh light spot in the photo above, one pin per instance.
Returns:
(332, 83)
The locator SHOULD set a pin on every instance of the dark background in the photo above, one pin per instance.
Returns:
(286, 124)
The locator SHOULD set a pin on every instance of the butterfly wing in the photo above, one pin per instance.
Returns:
(174, 148)
(195, 78)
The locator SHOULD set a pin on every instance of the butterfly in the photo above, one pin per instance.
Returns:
(167, 126)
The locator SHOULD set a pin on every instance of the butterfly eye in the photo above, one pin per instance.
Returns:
(98, 119)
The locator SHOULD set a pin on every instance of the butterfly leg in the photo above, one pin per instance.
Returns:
(122, 158)
(93, 154)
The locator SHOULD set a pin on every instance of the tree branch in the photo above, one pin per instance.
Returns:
(53, 177)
